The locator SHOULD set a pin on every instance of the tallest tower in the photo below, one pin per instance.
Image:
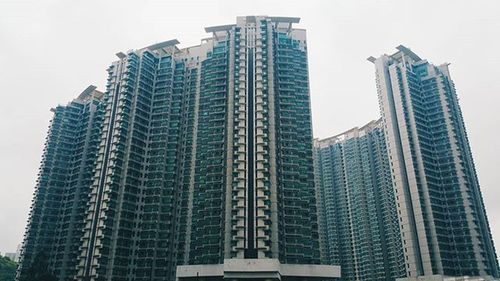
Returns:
(269, 145)
(267, 192)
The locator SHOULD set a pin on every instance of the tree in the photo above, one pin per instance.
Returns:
(7, 269)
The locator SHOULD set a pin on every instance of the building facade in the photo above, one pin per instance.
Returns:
(359, 226)
(204, 155)
(60, 199)
(444, 228)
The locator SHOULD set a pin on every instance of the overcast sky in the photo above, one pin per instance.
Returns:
(51, 50)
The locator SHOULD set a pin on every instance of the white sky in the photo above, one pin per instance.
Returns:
(51, 50)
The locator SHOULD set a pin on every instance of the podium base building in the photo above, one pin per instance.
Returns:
(256, 269)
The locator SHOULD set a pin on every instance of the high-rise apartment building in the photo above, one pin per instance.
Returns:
(202, 166)
(444, 228)
(60, 199)
(358, 221)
